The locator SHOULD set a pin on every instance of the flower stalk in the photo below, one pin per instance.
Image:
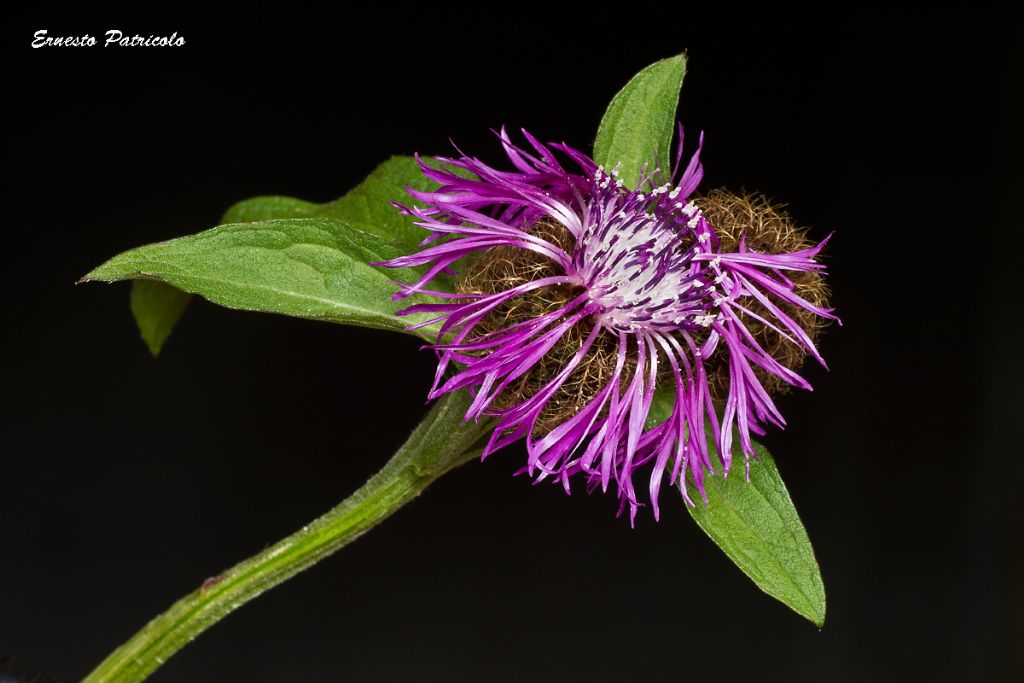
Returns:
(441, 442)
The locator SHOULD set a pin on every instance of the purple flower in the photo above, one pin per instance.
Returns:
(578, 297)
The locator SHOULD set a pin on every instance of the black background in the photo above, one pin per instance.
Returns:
(126, 481)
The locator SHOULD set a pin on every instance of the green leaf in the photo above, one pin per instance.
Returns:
(315, 268)
(757, 526)
(637, 127)
(267, 208)
(366, 207)
(157, 308)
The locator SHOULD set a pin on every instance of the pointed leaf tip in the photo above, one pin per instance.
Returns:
(157, 308)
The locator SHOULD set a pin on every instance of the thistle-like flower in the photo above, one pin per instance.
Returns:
(578, 297)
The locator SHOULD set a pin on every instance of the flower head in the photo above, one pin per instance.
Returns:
(579, 297)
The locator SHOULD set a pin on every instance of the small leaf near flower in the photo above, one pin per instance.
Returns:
(756, 525)
(157, 307)
(636, 129)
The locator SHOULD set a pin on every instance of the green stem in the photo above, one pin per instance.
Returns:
(440, 442)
